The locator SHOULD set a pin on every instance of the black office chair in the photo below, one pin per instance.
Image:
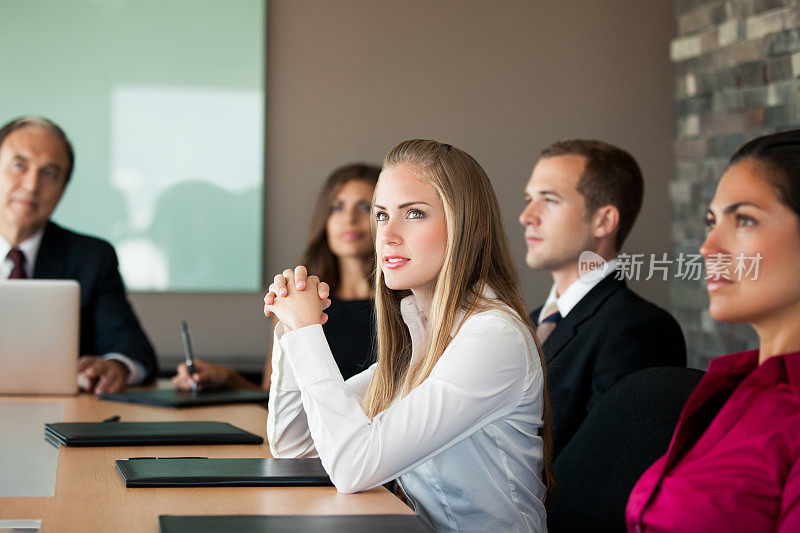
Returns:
(629, 428)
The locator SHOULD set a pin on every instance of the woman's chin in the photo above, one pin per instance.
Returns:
(726, 313)
(351, 249)
(395, 286)
(392, 283)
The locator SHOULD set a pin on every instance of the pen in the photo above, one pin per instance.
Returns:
(187, 353)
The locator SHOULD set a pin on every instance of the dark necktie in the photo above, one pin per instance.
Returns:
(18, 260)
(551, 319)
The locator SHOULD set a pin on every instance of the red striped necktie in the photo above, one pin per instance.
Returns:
(18, 260)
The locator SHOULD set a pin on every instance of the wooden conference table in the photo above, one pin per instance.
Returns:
(91, 496)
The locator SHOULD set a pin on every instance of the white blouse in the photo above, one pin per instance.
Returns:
(465, 444)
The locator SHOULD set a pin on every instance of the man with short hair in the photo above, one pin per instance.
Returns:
(36, 162)
(581, 202)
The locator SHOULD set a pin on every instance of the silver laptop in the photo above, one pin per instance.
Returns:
(39, 325)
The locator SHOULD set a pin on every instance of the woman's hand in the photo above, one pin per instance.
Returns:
(292, 304)
(207, 375)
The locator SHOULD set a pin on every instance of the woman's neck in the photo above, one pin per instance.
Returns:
(424, 297)
(778, 335)
(353, 284)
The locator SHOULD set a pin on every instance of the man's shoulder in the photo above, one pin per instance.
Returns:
(628, 301)
(626, 313)
(611, 305)
(74, 241)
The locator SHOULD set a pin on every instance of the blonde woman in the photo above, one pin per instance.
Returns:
(454, 407)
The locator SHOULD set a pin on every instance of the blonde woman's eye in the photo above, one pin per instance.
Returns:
(415, 213)
(381, 216)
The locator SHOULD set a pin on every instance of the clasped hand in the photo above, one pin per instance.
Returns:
(295, 306)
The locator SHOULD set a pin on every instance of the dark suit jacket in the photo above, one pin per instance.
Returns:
(609, 334)
(107, 320)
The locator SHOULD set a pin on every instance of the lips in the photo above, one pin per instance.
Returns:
(717, 284)
(394, 261)
(26, 205)
(352, 235)
(24, 201)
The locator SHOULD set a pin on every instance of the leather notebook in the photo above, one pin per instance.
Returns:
(175, 398)
(385, 523)
(203, 472)
(148, 433)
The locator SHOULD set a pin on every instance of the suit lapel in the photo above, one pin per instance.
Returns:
(49, 259)
(585, 309)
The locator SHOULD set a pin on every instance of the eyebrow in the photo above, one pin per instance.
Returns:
(733, 207)
(403, 206)
(53, 164)
(543, 193)
(337, 202)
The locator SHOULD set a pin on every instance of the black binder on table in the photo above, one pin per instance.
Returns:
(385, 523)
(147, 433)
(176, 398)
(203, 472)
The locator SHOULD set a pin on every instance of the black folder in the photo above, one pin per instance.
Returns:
(385, 523)
(148, 433)
(202, 472)
(175, 398)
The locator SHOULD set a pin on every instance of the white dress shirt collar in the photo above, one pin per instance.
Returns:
(574, 293)
(29, 247)
(417, 321)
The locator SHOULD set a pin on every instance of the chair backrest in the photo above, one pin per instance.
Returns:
(627, 430)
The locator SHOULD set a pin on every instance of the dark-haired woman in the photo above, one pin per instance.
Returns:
(340, 249)
(733, 462)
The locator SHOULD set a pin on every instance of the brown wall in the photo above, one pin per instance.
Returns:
(348, 79)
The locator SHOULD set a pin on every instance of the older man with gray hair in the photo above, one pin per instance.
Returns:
(36, 162)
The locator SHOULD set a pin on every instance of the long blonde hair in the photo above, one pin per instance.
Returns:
(477, 256)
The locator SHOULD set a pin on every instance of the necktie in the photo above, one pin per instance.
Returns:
(18, 260)
(551, 319)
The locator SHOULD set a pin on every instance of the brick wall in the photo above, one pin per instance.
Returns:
(737, 64)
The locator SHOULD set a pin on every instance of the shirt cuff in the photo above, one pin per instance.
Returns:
(135, 369)
(282, 375)
(310, 356)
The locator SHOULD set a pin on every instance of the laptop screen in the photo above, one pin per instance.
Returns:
(39, 328)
